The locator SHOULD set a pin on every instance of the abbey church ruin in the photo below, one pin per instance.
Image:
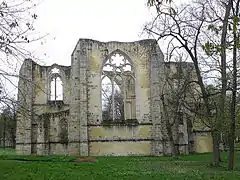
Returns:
(110, 101)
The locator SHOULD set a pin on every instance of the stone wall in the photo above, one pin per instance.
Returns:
(120, 140)
(42, 120)
(34, 101)
(87, 62)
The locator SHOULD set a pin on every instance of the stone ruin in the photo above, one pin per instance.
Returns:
(106, 103)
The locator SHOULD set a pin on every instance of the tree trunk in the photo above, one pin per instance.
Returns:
(216, 151)
(4, 132)
(234, 94)
(233, 111)
(171, 140)
(168, 127)
(218, 125)
(14, 128)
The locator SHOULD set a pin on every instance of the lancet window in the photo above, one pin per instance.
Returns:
(56, 85)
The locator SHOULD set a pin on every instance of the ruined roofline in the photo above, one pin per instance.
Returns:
(141, 41)
(54, 64)
(107, 42)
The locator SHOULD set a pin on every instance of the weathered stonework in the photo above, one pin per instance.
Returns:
(39, 117)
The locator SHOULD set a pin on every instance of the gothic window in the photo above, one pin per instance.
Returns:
(56, 85)
(118, 89)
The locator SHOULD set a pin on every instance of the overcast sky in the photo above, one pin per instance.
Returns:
(67, 21)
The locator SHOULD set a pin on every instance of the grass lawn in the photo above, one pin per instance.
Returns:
(60, 167)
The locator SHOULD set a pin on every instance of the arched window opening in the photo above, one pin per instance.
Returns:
(106, 93)
(59, 89)
(56, 86)
(63, 131)
(117, 83)
(56, 89)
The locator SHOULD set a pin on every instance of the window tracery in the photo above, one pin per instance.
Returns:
(118, 89)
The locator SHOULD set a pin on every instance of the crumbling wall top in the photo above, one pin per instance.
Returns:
(143, 42)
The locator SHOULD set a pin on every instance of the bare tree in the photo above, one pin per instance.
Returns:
(117, 107)
(189, 26)
(235, 23)
(177, 92)
(157, 2)
(17, 18)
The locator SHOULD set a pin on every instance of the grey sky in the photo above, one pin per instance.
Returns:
(67, 21)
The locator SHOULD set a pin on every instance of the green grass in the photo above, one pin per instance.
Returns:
(60, 167)
(7, 151)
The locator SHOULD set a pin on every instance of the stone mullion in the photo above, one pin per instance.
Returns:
(124, 96)
(113, 108)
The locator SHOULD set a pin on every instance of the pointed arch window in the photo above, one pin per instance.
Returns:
(56, 85)
(116, 84)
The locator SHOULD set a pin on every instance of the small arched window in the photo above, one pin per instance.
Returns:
(56, 85)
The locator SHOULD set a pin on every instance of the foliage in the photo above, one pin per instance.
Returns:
(206, 31)
(62, 167)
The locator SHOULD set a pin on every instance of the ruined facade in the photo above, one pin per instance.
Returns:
(106, 103)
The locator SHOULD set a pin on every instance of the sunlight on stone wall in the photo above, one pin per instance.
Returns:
(120, 148)
(203, 144)
(99, 132)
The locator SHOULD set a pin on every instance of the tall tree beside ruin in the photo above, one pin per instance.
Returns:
(229, 42)
(179, 25)
(223, 71)
(235, 24)
(178, 91)
(187, 26)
